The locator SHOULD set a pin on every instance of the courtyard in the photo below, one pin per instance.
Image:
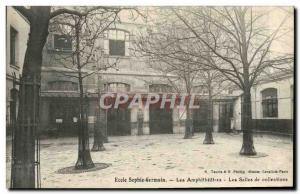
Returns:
(159, 161)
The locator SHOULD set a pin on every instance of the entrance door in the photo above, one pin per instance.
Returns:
(225, 114)
(160, 120)
(62, 112)
(200, 117)
(118, 121)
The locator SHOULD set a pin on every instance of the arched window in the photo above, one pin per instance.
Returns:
(117, 87)
(160, 88)
(269, 102)
(63, 86)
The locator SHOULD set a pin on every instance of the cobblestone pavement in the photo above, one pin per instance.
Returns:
(169, 161)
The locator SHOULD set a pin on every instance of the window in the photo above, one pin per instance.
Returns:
(13, 46)
(117, 87)
(226, 110)
(62, 42)
(117, 47)
(269, 102)
(201, 89)
(117, 42)
(63, 86)
(160, 88)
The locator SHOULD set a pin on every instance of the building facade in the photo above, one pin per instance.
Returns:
(17, 30)
(60, 93)
(272, 101)
(132, 75)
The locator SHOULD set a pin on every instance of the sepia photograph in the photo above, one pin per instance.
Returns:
(150, 97)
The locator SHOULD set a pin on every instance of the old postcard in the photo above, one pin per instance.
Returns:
(149, 97)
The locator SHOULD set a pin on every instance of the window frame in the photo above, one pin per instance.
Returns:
(162, 88)
(51, 86)
(65, 49)
(114, 45)
(118, 85)
(13, 47)
(269, 103)
(200, 89)
(113, 35)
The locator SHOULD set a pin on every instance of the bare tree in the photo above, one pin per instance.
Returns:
(216, 86)
(241, 50)
(169, 48)
(160, 45)
(24, 136)
(85, 59)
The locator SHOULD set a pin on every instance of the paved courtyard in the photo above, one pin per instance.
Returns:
(169, 161)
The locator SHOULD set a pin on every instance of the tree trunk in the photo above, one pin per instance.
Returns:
(98, 137)
(25, 132)
(104, 126)
(188, 123)
(247, 147)
(208, 135)
(84, 160)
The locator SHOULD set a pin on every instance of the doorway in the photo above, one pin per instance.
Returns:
(62, 112)
(118, 122)
(200, 117)
(160, 120)
(225, 115)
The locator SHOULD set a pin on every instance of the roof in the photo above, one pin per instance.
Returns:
(274, 77)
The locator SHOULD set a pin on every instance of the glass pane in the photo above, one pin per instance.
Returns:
(62, 42)
(117, 47)
(13, 43)
(269, 93)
